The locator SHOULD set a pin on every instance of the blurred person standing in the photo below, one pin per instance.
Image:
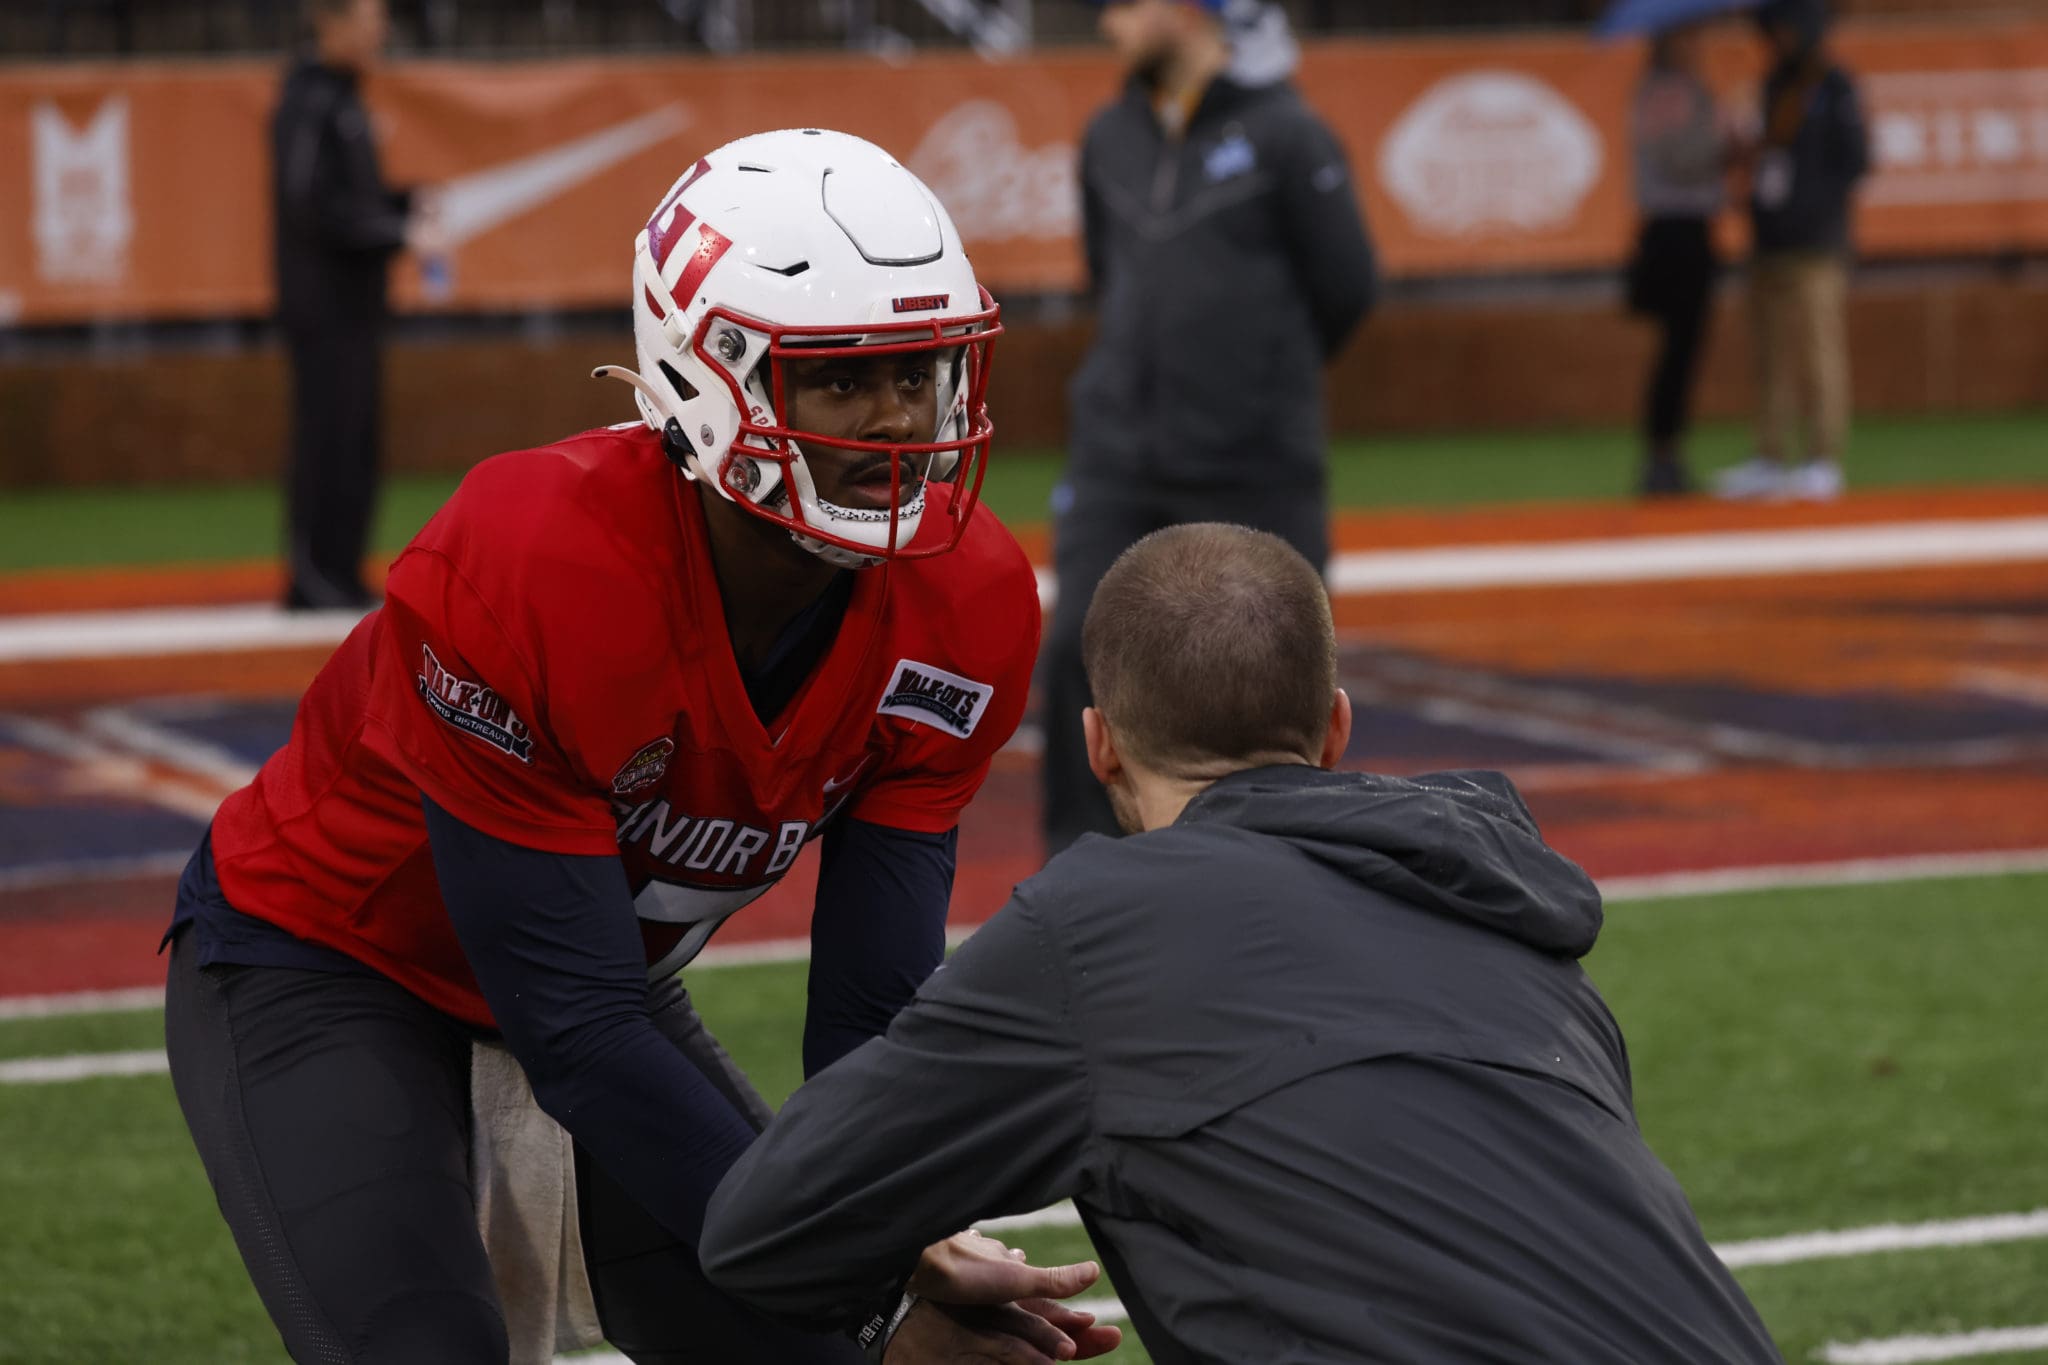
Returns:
(338, 226)
(1229, 262)
(1682, 153)
(1812, 149)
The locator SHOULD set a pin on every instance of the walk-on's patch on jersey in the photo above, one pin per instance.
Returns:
(577, 580)
(644, 768)
(931, 696)
(472, 708)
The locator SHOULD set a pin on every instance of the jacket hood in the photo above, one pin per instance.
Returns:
(1461, 844)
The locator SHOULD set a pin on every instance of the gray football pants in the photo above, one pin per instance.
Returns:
(332, 1114)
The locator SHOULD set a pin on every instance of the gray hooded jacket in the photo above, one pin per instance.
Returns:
(1321, 1070)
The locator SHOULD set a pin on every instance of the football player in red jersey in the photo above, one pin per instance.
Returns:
(618, 682)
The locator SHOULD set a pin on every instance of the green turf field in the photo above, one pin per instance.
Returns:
(1804, 1059)
(58, 527)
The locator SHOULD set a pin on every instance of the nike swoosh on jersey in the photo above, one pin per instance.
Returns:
(473, 204)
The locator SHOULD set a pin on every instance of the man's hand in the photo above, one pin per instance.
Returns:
(969, 1268)
(426, 227)
(980, 1302)
(1009, 1334)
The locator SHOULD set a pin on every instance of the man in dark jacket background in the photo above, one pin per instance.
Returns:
(338, 226)
(1229, 261)
(1312, 1051)
(1813, 147)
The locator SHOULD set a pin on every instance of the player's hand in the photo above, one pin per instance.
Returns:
(426, 227)
(1007, 1334)
(968, 1268)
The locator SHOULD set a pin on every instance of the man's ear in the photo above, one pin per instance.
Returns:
(1103, 759)
(1338, 737)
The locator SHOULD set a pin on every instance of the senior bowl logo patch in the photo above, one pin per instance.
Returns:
(646, 767)
(472, 708)
(932, 696)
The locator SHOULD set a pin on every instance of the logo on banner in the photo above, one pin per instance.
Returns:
(1959, 137)
(83, 216)
(994, 186)
(935, 697)
(472, 708)
(1490, 151)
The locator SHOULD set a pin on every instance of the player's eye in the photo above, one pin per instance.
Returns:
(916, 379)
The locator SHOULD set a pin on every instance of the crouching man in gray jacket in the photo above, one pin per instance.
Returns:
(1312, 1053)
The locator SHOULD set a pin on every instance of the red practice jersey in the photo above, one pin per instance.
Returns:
(551, 666)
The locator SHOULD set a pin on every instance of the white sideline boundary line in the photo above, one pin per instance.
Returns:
(167, 630)
(1621, 559)
(1913, 1350)
(1670, 886)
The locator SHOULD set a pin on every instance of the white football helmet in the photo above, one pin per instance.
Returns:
(808, 244)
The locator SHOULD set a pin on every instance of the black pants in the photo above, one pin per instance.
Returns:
(1101, 521)
(1672, 282)
(331, 486)
(332, 1115)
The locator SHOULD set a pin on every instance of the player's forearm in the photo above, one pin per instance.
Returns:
(975, 1102)
(655, 1123)
(556, 949)
(878, 930)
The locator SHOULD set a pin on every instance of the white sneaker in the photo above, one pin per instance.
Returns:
(1814, 481)
(1755, 477)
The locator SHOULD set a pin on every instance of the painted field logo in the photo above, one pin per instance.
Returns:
(472, 708)
(922, 303)
(934, 697)
(646, 767)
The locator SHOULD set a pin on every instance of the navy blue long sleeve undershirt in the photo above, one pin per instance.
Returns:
(556, 947)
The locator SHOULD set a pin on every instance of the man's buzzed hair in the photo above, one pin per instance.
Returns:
(1210, 647)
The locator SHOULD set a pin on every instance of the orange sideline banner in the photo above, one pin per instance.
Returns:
(142, 189)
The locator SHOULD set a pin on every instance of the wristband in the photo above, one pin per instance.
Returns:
(878, 1331)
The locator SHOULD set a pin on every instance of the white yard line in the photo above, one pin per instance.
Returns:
(1821, 1246)
(83, 1066)
(1851, 872)
(1801, 1246)
(80, 1002)
(1626, 559)
(1913, 1350)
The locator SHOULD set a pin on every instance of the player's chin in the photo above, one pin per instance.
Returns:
(874, 493)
